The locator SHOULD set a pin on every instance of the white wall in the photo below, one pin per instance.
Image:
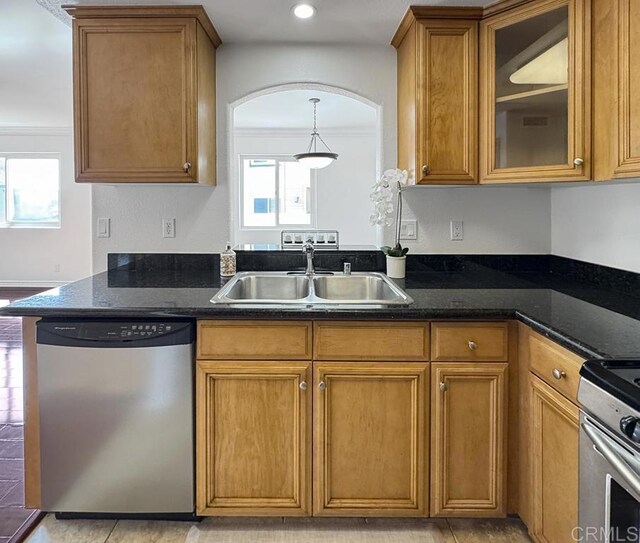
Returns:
(342, 189)
(497, 220)
(30, 256)
(598, 224)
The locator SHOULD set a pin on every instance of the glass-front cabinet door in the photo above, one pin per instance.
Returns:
(535, 93)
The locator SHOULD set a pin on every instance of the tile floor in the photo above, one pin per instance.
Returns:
(14, 518)
(278, 530)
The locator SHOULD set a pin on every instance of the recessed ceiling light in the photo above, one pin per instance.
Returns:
(304, 11)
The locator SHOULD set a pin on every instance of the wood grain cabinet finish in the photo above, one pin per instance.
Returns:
(144, 94)
(469, 341)
(554, 442)
(468, 439)
(616, 88)
(349, 340)
(370, 439)
(437, 100)
(253, 438)
(254, 340)
(555, 365)
(535, 126)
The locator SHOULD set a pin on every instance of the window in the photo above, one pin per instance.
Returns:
(275, 192)
(29, 189)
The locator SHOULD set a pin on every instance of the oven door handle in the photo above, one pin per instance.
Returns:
(624, 463)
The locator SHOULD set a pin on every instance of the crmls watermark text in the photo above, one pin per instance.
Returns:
(594, 534)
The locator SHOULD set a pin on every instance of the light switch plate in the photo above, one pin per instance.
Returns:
(408, 229)
(104, 227)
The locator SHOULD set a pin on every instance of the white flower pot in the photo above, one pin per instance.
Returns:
(396, 266)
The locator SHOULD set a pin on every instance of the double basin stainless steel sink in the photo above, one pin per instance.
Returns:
(282, 288)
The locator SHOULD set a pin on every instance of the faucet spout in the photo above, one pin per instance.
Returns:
(308, 249)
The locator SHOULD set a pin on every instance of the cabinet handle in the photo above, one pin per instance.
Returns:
(186, 166)
(322, 385)
(443, 386)
(578, 161)
(303, 385)
(559, 374)
(425, 170)
(473, 345)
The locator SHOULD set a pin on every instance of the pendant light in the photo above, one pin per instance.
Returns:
(313, 158)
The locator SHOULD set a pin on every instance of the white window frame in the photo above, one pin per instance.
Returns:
(26, 224)
(277, 227)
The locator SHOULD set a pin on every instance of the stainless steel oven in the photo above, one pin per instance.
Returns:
(609, 506)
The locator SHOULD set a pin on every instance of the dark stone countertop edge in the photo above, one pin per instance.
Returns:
(395, 314)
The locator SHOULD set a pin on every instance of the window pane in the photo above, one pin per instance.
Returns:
(259, 192)
(32, 190)
(3, 191)
(295, 193)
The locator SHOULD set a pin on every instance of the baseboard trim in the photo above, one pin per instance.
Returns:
(32, 284)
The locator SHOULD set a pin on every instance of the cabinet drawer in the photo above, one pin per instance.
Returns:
(477, 342)
(371, 341)
(555, 365)
(254, 340)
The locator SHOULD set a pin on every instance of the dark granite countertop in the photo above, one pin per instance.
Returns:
(590, 320)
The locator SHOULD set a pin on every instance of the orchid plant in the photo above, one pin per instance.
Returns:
(387, 189)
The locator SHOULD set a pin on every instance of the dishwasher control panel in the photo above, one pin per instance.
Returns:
(110, 330)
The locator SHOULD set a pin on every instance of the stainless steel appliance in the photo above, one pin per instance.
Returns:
(116, 416)
(609, 508)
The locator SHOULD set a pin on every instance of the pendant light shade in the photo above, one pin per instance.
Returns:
(313, 158)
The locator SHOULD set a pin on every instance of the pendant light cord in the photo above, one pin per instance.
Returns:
(315, 136)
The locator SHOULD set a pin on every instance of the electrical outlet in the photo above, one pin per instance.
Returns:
(168, 228)
(457, 231)
(104, 227)
(408, 230)
(56, 268)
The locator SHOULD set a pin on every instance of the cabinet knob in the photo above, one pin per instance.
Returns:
(559, 374)
(186, 166)
(322, 385)
(578, 161)
(473, 345)
(425, 169)
(443, 386)
(303, 385)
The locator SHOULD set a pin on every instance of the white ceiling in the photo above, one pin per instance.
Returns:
(337, 21)
(35, 67)
(292, 110)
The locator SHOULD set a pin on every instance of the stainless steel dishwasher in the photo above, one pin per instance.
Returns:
(116, 416)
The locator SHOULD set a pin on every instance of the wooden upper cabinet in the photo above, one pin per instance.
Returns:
(535, 93)
(437, 99)
(616, 89)
(144, 94)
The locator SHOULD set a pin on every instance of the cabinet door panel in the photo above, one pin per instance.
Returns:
(370, 439)
(134, 117)
(468, 439)
(253, 435)
(447, 97)
(535, 95)
(554, 440)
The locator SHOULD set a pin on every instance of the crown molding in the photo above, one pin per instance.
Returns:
(36, 131)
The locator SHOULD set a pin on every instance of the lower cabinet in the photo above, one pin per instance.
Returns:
(371, 438)
(253, 438)
(554, 442)
(468, 439)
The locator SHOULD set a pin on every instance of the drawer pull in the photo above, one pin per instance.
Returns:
(559, 374)
(443, 386)
(303, 385)
(473, 345)
(322, 385)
